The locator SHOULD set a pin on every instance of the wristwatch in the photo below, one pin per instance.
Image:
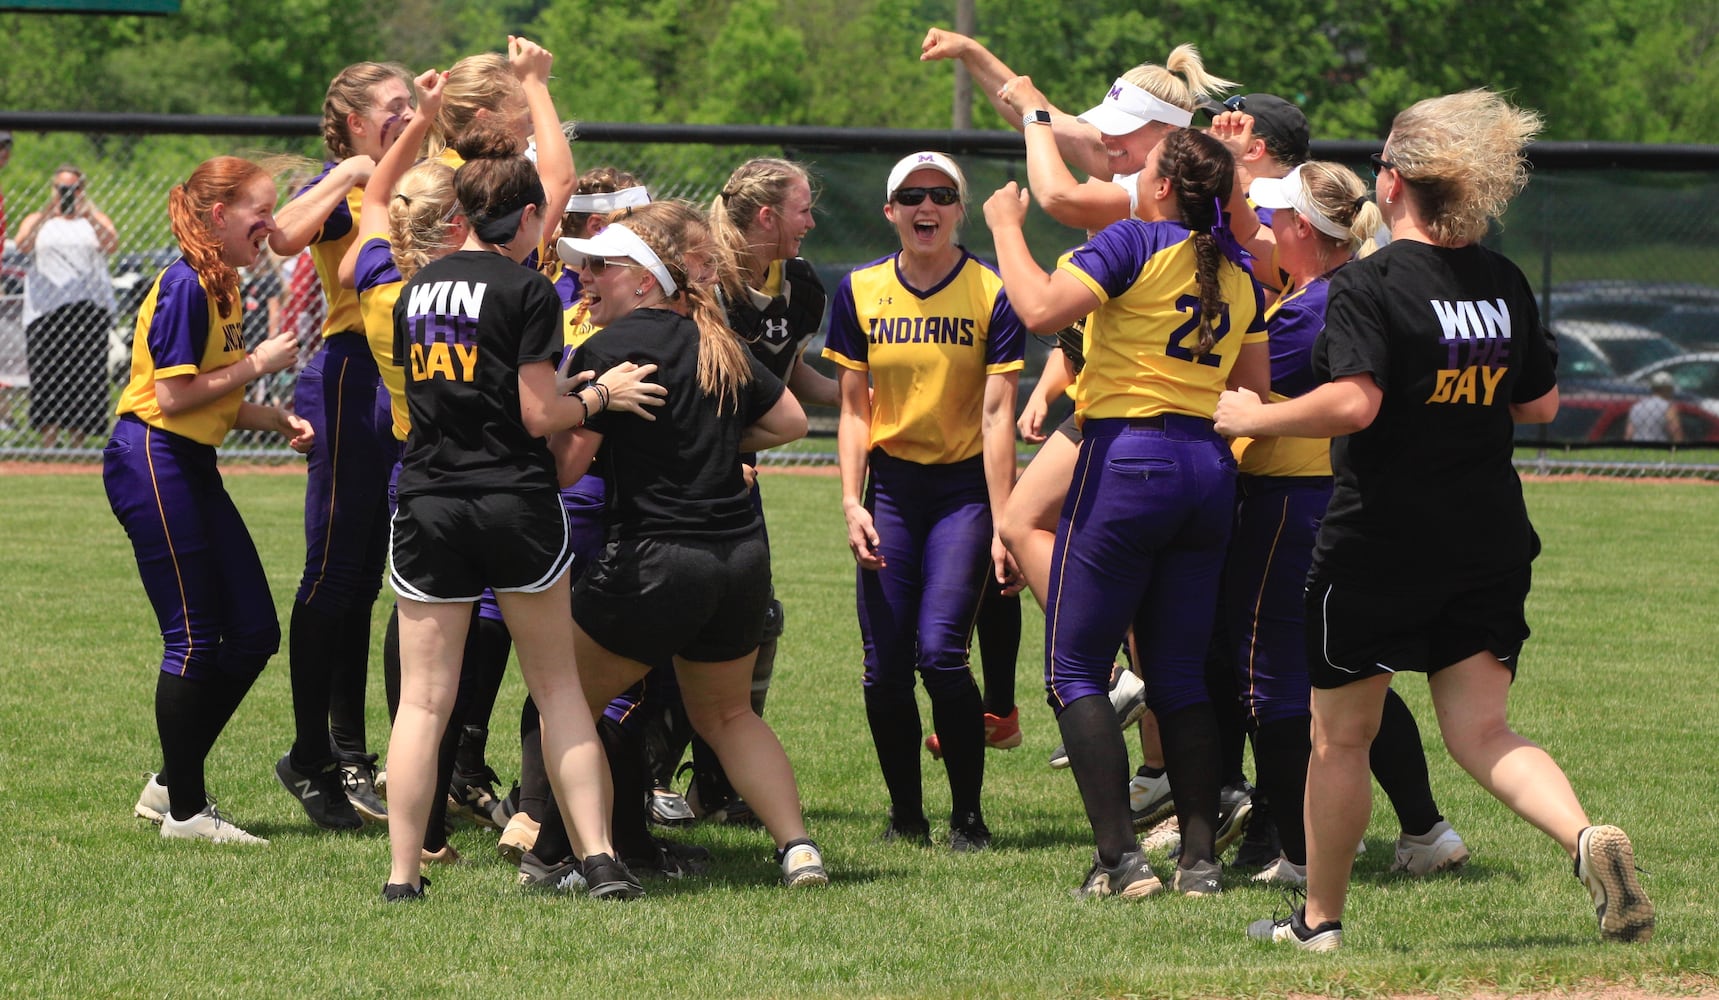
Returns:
(1038, 116)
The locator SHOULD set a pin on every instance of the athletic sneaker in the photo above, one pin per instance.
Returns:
(207, 825)
(1149, 798)
(362, 788)
(518, 837)
(1260, 846)
(1131, 878)
(1605, 862)
(1167, 836)
(446, 856)
(563, 876)
(606, 878)
(472, 796)
(668, 808)
(1127, 697)
(153, 803)
(1283, 871)
(1202, 878)
(1292, 929)
(400, 892)
(1235, 807)
(918, 832)
(802, 865)
(322, 793)
(1002, 732)
(1437, 850)
(667, 859)
(968, 834)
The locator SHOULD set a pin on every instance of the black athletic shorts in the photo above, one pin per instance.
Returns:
(1069, 428)
(1354, 632)
(651, 598)
(448, 549)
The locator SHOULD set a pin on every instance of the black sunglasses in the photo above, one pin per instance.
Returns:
(1380, 164)
(939, 195)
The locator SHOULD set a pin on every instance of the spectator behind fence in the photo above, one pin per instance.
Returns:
(1654, 418)
(68, 306)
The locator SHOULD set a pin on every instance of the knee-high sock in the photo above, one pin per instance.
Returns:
(893, 716)
(351, 674)
(314, 651)
(391, 663)
(533, 778)
(1100, 762)
(998, 630)
(626, 774)
(1280, 752)
(1399, 763)
(189, 717)
(1194, 757)
(957, 715)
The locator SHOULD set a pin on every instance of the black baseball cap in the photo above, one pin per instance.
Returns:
(1280, 123)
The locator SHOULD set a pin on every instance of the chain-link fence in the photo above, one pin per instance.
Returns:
(1621, 242)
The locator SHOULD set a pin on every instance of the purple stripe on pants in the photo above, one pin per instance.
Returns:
(915, 614)
(1140, 543)
(346, 504)
(198, 564)
(1265, 583)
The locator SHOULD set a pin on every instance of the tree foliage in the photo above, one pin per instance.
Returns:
(1627, 70)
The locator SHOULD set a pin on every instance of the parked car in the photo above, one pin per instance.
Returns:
(1600, 413)
(1625, 347)
(1687, 314)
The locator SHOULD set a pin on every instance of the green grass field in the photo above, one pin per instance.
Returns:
(1618, 683)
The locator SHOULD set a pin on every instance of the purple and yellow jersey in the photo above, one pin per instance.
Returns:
(1294, 321)
(928, 354)
(327, 249)
(576, 326)
(378, 282)
(1139, 357)
(180, 333)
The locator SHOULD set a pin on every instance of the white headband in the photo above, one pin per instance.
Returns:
(609, 201)
(1289, 191)
(1128, 107)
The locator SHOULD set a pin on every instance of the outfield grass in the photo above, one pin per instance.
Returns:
(1617, 683)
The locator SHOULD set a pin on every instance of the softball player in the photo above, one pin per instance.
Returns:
(198, 564)
(1175, 317)
(1422, 402)
(930, 351)
(346, 501)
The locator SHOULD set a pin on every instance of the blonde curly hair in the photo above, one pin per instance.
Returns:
(1462, 158)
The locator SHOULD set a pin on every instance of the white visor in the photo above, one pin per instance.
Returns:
(1128, 108)
(1289, 192)
(609, 201)
(616, 240)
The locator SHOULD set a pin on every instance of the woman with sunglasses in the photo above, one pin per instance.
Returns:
(1433, 351)
(930, 352)
(1174, 317)
(1323, 219)
(327, 768)
(685, 572)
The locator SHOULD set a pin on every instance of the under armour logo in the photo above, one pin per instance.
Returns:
(885, 300)
(1115, 92)
(775, 329)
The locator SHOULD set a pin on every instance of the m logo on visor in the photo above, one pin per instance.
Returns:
(1115, 92)
(927, 157)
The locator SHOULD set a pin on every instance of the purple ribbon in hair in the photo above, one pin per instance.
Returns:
(1233, 251)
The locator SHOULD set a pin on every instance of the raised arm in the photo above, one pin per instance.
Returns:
(531, 64)
(300, 219)
(1092, 204)
(1044, 302)
(373, 218)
